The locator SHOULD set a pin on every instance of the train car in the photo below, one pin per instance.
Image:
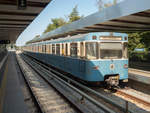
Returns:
(92, 57)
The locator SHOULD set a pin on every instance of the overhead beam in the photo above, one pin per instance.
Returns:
(19, 27)
(130, 22)
(142, 14)
(117, 26)
(29, 3)
(14, 24)
(17, 13)
(20, 20)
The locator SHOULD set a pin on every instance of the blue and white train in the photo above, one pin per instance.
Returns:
(93, 57)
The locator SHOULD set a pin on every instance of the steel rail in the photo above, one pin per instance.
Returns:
(84, 87)
(133, 98)
(138, 70)
(51, 75)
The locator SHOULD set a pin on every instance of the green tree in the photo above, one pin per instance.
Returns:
(145, 39)
(139, 40)
(134, 41)
(74, 15)
(56, 22)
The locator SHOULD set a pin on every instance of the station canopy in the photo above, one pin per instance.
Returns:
(126, 16)
(14, 18)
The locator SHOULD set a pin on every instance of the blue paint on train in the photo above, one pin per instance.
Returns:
(84, 69)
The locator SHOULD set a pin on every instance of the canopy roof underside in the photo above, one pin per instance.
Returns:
(13, 21)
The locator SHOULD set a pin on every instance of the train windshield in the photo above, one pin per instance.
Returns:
(91, 50)
(110, 50)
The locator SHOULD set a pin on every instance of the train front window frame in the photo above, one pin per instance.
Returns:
(110, 50)
(91, 49)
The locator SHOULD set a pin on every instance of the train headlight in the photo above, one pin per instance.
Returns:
(96, 67)
(125, 66)
(112, 66)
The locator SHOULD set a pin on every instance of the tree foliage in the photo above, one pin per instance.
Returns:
(139, 40)
(74, 15)
(58, 22)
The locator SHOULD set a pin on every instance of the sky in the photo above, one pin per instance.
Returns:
(55, 9)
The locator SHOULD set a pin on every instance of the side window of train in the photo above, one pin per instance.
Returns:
(91, 50)
(73, 50)
(50, 50)
(43, 48)
(47, 48)
(57, 49)
(66, 49)
(53, 48)
(63, 49)
(82, 49)
(40, 48)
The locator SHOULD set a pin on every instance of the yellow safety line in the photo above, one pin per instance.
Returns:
(2, 88)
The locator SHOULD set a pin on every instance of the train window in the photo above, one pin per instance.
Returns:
(125, 50)
(32, 48)
(82, 50)
(91, 50)
(47, 48)
(110, 50)
(40, 48)
(58, 49)
(63, 49)
(53, 48)
(37, 48)
(43, 48)
(73, 49)
(66, 51)
(50, 51)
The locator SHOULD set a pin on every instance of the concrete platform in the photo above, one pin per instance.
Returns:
(139, 75)
(11, 95)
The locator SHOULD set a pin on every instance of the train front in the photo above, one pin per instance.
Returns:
(111, 65)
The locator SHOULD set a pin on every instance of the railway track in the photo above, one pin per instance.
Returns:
(147, 73)
(125, 107)
(133, 98)
(44, 93)
(49, 100)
